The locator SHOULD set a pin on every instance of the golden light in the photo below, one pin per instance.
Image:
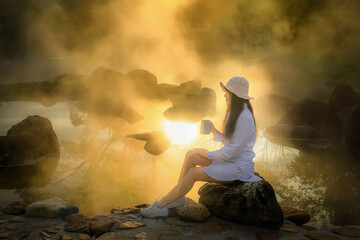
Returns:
(180, 132)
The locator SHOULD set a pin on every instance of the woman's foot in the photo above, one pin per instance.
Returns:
(155, 211)
(178, 203)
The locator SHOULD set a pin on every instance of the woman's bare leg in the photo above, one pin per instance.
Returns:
(186, 183)
(192, 159)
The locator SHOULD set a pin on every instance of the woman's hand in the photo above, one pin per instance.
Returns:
(213, 129)
(202, 152)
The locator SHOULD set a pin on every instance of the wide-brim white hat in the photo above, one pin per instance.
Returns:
(238, 86)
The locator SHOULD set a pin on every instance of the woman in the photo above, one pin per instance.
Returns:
(231, 162)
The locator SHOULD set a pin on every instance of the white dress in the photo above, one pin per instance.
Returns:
(234, 161)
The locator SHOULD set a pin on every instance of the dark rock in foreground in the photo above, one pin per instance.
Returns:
(249, 203)
(29, 153)
(296, 216)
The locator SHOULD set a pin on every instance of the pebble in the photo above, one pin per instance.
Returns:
(130, 225)
(141, 236)
(77, 223)
(44, 234)
(193, 211)
(102, 224)
(83, 236)
(66, 237)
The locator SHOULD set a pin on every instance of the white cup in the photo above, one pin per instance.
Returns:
(205, 127)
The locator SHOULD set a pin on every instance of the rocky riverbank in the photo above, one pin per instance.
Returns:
(56, 219)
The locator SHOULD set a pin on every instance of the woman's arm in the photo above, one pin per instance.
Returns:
(244, 128)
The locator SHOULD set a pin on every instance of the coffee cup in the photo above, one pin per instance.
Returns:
(205, 126)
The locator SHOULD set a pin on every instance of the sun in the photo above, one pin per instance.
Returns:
(181, 133)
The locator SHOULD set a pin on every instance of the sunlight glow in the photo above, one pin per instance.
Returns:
(181, 133)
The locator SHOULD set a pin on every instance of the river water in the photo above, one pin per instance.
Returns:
(99, 170)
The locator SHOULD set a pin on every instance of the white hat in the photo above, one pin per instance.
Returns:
(238, 86)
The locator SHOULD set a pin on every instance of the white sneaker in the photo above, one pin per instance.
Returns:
(155, 211)
(178, 203)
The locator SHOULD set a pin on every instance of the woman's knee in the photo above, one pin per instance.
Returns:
(193, 174)
(189, 156)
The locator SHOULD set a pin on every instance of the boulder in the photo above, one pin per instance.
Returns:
(245, 202)
(193, 211)
(50, 208)
(29, 153)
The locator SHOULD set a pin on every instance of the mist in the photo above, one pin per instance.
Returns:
(292, 49)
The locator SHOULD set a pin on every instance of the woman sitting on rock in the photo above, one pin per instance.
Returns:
(231, 162)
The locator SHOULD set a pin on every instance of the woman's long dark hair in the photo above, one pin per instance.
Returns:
(234, 110)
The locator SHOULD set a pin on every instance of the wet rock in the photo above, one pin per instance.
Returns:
(193, 211)
(107, 236)
(17, 219)
(83, 236)
(66, 237)
(53, 230)
(245, 202)
(17, 207)
(178, 221)
(267, 236)
(156, 143)
(44, 234)
(320, 236)
(18, 235)
(102, 224)
(77, 223)
(290, 228)
(32, 149)
(130, 225)
(131, 210)
(156, 233)
(14, 226)
(50, 208)
(348, 231)
(296, 216)
(4, 235)
(142, 236)
(213, 227)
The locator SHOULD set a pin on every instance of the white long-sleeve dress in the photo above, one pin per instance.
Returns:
(234, 161)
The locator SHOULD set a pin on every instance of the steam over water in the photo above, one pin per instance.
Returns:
(293, 49)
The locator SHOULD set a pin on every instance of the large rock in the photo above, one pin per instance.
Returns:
(17, 207)
(29, 153)
(102, 224)
(193, 211)
(296, 216)
(77, 223)
(50, 208)
(245, 202)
